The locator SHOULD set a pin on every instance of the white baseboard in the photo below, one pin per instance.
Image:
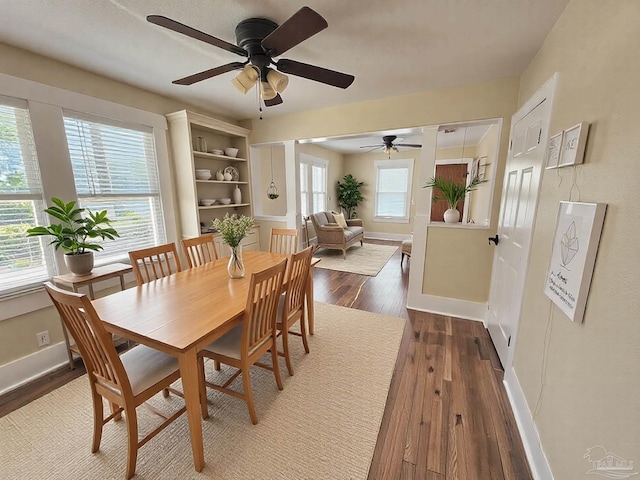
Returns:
(386, 236)
(540, 468)
(452, 307)
(26, 369)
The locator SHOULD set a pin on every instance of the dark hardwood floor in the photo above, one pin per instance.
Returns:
(447, 414)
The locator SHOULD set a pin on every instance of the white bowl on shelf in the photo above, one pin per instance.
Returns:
(217, 151)
(207, 202)
(231, 152)
(203, 174)
(224, 201)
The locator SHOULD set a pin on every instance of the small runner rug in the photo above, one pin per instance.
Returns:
(323, 425)
(368, 259)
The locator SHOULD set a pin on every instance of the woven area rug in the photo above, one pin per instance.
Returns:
(368, 259)
(323, 425)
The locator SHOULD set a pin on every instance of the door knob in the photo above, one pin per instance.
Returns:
(495, 240)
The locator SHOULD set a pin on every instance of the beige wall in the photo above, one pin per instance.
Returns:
(591, 393)
(18, 334)
(361, 166)
(480, 198)
(277, 207)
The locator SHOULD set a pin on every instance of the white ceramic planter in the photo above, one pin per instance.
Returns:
(451, 215)
(80, 264)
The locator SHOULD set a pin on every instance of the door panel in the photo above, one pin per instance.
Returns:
(519, 198)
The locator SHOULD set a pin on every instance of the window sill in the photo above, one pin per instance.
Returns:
(466, 226)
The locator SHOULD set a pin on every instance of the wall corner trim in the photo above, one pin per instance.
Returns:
(538, 462)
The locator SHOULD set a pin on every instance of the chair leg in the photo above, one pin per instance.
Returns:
(115, 407)
(274, 361)
(285, 346)
(216, 365)
(362, 242)
(165, 392)
(401, 258)
(98, 419)
(203, 390)
(303, 333)
(344, 253)
(248, 396)
(132, 440)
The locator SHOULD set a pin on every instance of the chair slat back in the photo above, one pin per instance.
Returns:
(262, 306)
(94, 342)
(199, 250)
(155, 262)
(297, 278)
(283, 240)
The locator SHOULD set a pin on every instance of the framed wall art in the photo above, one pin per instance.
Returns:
(573, 256)
(553, 152)
(573, 144)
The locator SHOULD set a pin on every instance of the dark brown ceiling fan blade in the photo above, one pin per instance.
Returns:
(301, 25)
(277, 100)
(317, 74)
(193, 33)
(412, 145)
(212, 72)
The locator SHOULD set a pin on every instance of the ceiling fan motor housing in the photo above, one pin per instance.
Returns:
(249, 35)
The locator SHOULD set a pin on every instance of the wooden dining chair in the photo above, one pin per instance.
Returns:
(243, 346)
(155, 262)
(199, 250)
(283, 240)
(292, 303)
(126, 381)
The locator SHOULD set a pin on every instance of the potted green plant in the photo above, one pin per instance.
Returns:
(76, 234)
(349, 196)
(452, 192)
(233, 229)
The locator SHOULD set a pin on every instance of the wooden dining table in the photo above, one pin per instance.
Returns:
(182, 313)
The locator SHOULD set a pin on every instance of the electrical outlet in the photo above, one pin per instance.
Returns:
(43, 338)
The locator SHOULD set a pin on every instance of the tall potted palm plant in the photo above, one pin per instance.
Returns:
(349, 196)
(76, 235)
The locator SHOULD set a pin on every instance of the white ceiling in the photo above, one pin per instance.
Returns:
(392, 48)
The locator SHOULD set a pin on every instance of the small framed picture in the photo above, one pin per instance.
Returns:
(573, 145)
(553, 152)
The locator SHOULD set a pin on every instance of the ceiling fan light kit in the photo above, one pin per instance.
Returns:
(246, 79)
(388, 146)
(260, 40)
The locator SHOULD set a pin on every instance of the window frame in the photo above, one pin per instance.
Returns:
(403, 163)
(46, 105)
(311, 162)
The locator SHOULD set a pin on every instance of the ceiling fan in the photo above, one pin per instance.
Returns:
(388, 146)
(260, 40)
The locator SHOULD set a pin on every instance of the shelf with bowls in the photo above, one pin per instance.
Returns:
(202, 147)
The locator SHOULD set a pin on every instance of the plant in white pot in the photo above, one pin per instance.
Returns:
(452, 192)
(76, 234)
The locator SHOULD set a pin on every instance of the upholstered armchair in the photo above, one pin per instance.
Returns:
(332, 235)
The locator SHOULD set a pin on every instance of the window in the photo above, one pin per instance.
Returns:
(115, 169)
(24, 261)
(313, 185)
(393, 190)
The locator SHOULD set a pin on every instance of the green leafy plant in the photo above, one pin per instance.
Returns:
(451, 191)
(233, 228)
(76, 233)
(349, 196)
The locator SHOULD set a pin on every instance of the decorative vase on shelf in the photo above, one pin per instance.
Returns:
(451, 215)
(235, 267)
(237, 195)
(219, 176)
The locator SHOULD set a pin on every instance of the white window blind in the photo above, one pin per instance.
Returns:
(24, 261)
(115, 169)
(393, 188)
(304, 190)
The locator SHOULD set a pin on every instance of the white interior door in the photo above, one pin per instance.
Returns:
(529, 134)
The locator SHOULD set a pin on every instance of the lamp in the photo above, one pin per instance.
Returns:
(277, 80)
(246, 79)
(267, 92)
(388, 149)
